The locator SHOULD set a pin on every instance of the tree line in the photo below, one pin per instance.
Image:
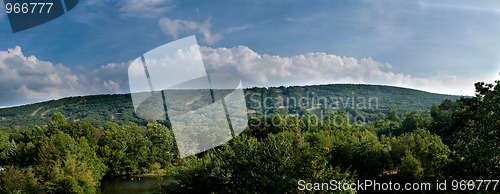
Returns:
(118, 108)
(454, 140)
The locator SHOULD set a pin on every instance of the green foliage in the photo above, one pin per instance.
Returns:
(456, 140)
(362, 151)
(422, 148)
(95, 110)
(99, 109)
(70, 176)
(72, 157)
(386, 127)
(10, 178)
(125, 149)
(442, 117)
(411, 168)
(370, 101)
(473, 134)
(413, 121)
(248, 165)
(162, 144)
(4, 146)
(392, 115)
(58, 119)
(15, 181)
(61, 153)
(69, 184)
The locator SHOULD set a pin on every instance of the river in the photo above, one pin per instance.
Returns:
(130, 184)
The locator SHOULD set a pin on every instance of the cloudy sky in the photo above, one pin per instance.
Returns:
(436, 46)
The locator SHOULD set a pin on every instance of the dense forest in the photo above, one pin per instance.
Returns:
(411, 141)
(118, 108)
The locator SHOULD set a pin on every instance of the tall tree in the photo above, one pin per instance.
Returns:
(476, 134)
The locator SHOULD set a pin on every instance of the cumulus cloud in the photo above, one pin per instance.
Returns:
(110, 78)
(144, 8)
(28, 78)
(177, 26)
(322, 68)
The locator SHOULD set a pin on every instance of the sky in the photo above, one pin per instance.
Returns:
(436, 46)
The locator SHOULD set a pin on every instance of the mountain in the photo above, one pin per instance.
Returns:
(369, 102)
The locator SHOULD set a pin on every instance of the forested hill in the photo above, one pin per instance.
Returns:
(371, 101)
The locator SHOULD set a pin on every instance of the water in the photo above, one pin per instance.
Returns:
(129, 184)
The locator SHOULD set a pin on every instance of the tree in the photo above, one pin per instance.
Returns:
(69, 175)
(410, 168)
(361, 151)
(427, 149)
(248, 165)
(386, 127)
(58, 119)
(12, 152)
(4, 147)
(162, 144)
(66, 163)
(125, 149)
(413, 121)
(475, 134)
(11, 180)
(15, 181)
(442, 118)
(392, 115)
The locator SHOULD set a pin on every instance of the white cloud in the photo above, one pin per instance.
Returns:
(110, 78)
(144, 8)
(322, 68)
(175, 27)
(28, 78)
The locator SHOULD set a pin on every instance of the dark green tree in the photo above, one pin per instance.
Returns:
(392, 115)
(475, 133)
(413, 121)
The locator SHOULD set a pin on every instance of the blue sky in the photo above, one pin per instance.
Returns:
(436, 46)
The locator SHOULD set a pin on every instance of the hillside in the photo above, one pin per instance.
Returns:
(370, 101)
